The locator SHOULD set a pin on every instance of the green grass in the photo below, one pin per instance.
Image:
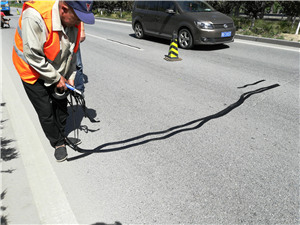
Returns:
(14, 4)
(264, 28)
(116, 15)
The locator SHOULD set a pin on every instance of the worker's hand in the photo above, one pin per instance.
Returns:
(82, 38)
(61, 84)
(71, 82)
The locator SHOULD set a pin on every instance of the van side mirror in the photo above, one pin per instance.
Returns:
(170, 11)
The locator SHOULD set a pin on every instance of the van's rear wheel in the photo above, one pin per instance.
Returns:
(138, 30)
(185, 39)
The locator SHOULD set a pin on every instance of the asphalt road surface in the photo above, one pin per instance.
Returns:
(211, 139)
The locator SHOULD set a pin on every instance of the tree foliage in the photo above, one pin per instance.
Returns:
(227, 7)
(291, 9)
(257, 9)
(111, 6)
(253, 9)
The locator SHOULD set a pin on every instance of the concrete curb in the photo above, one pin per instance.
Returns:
(237, 36)
(268, 40)
(52, 206)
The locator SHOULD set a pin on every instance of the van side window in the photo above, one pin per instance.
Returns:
(151, 5)
(140, 4)
(164, 5)
(195, 6)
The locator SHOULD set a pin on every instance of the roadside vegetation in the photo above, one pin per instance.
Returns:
(282, 29)
(124, 15)
(270, 19)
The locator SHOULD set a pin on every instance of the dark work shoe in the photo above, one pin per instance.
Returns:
(60, 153)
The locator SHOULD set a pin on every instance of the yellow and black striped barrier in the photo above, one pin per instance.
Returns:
(173, 50)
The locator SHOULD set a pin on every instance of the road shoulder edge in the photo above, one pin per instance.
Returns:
(268, 40)
(50, 200)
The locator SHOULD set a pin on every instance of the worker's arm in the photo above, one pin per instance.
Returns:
(82, 34)
(34, 37)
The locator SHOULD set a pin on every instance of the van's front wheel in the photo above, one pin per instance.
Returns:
(138, 30)
(185, 39)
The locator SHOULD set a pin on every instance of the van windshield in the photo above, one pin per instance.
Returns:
(195, 6)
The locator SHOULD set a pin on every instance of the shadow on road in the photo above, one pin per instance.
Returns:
(4, 220)
(7, 153)
(75, 119)
(164, 134)
(195, 48)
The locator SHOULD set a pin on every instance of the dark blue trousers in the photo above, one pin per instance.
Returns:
(52, 113)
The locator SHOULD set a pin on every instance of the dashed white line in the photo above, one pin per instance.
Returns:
(114, 22)
(116, 42)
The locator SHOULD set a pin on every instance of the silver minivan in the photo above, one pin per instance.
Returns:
(195, 22)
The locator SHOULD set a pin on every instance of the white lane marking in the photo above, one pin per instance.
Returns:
(116, 42)
(50, 200)
(267, 45)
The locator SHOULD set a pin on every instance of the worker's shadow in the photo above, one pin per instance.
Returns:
(74, 121)
(164, 134)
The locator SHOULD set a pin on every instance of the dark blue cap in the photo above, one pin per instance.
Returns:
(83, 10)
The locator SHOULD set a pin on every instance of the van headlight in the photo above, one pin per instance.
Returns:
(204, 25)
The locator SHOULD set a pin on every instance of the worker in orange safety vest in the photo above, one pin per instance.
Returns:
(44, 54)
(4, 21)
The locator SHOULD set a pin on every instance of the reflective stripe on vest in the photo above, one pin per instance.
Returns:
(51, 46)
(19, 53)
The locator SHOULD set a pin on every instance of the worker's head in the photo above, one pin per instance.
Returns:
(72, 12)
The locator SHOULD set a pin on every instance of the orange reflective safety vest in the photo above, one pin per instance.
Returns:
(51, 46)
